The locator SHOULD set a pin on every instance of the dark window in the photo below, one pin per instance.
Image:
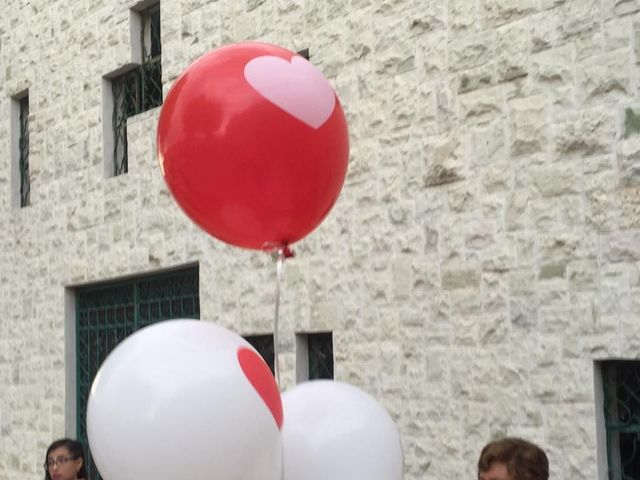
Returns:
(621, 389)
(304, 53)
(23, 152)
(137, 90)
(320, 348)
(107, 314)
(264, 345)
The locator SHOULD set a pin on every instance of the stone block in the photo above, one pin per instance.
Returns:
(479, 235)
(556, 180)
(544, 385)
(629, 160)
(482, 105)
(603, 210)
(499, 257)
(492, 328)
(631, 122)
(621, 246)
(512, 47)
(618, 34)
(523, 312)
(462, 15)
(583, 274)
(402, 277)
(447, 108)
(553, 292)
(626, 7)
(499, 12)
(552, 270)
(465, 330)
(445, 163)
(459, 277)
(528, 125)
(605, 78)
(426, 17)
(517, 210)
(336, 9)
(465, 301)
(544, 31)
(463, 197)
(586, 133)
(431, 54)
(630, 208)
(472, 51)
(476, 78)
(498, 178)
(578, 19)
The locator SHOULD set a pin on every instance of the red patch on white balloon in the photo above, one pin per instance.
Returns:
(297, 87)
(259, 375)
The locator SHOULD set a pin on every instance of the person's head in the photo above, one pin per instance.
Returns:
(64, 460)
(512, 459)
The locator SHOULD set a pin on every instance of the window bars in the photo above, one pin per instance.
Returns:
(23, 146)
(320, 347)
(621, 388)
(264, 345)
(137, 90)
(107, 314)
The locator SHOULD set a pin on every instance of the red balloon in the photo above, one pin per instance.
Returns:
(253, 145)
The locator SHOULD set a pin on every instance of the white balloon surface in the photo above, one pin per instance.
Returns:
(185, 399)
(335, 431)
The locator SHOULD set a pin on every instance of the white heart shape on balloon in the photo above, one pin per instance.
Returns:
(297, 87)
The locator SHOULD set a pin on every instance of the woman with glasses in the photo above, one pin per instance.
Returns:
(65, 461)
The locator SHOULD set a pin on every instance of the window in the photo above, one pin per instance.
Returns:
(314, 356)
(264, 345)
(621, 403)
(107, 314)
(320, 347)
(20, 150)
(23, 145)
(138, 89)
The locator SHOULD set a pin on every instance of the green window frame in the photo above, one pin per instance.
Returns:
(106, 314)
(137, 90)
(265, 347)
(23, 151)
(621, 400)
(320, 348)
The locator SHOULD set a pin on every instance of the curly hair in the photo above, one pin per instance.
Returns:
(524, 460)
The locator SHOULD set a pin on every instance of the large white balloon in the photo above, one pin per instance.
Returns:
(185, 399)
(335, 431)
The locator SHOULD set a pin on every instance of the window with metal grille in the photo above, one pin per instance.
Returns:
(137, 90)
(320, 348)
(107, 314)
(20, 175)
(23, 146)
(264, 345)
(621, 400)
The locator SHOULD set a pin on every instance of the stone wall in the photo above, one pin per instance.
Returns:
(484, 252)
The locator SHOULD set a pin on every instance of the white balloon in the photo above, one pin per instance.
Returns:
(335, 431)
(173, 402)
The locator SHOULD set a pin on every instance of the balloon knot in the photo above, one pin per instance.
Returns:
(283, 251)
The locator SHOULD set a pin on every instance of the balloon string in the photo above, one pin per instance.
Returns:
(276, 362)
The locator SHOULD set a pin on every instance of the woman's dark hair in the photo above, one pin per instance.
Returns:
(75, 450)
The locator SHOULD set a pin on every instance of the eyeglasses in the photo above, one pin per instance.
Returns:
(50, 463)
